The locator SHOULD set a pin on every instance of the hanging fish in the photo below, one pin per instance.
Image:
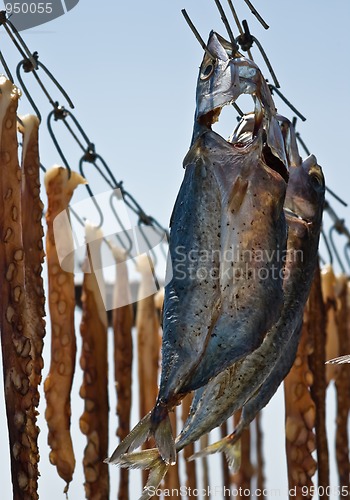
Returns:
(230, 206)
(267, 366)
(303, 206)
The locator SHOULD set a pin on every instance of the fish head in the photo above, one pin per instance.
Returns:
(223, 76)
(306, 191)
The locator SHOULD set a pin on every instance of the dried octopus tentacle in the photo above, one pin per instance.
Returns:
(328, 281)
(58, 384)
(20, 395)
(317, 330)
(94, 363)
(123, 320)
(300, 418)
(342, 384)
(32, 211)
(148, 342)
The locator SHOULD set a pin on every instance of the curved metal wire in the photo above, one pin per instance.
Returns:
(346, 253)
(150, 248)
(91, 194)
(273, 88)
(28, 67)
(127, 247)
(55, 141)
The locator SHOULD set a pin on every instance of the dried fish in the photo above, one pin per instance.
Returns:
(230, 205)
(231, 389)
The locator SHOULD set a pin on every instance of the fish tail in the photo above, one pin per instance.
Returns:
(230, 445)
(147, 459)
(163, 434)
(133, 440)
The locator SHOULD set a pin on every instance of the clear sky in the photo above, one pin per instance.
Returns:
(131, 69)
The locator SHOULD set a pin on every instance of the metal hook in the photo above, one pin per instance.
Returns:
(16, 37)
(197, 35)
(58, 113)
(246, 41)
(239, 26)
(28, 67)
(273, 88)
(154, 257)
(129, 244)
(227, 26)
(89, 190)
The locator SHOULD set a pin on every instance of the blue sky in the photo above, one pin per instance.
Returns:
(131, 69)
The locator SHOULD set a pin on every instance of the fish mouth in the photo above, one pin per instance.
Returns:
(250, 128)
(274, 163)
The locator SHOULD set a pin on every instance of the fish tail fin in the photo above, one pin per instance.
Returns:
(230, 445)
(133, 440)
(147, 459)
(163, 434)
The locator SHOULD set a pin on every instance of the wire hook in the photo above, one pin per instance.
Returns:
(29, 67)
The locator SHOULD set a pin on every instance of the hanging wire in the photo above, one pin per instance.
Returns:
(256, 14)
(307, 151)
(273, 89)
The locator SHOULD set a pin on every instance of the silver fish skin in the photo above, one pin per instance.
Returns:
(254, 381)
(217, 189)
(252, 237)
(222, 81)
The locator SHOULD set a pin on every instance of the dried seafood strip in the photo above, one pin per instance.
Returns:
(328, 282)
(123, 319)
(317, 332)
(300, 419)
(342, 384)
(94, 363)
(148, 341)
(32, 211)
(59, 187)
(20, 395)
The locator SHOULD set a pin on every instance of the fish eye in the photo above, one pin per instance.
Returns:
(207, 71)
(316, 179)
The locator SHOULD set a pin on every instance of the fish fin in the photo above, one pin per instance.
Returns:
(156, 475)
(230, 445)
(339, 361)
(163, 435)
(233, 455)
(147, 459)
(133, 440)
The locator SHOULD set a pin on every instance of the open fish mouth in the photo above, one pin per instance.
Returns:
(250, 128)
